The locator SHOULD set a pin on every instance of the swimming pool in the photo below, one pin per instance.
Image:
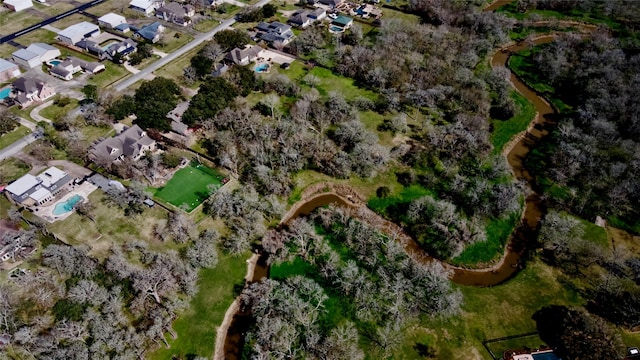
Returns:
(336, 29)
(66, 206)
(4, 93)
(261, 67)
(55, 62)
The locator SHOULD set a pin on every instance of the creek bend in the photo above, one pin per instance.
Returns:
(524, 234)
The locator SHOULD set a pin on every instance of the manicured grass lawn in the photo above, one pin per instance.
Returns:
(68, 21)
(505, 130)
(109, 6)
(197, 326)
(170, 42)
(112, 74)
(189, 186)
(92, 133)
(498, 233)
(55, 112)
(40, 35)
(13, 136)
(395, 14)
(175, 69)
(11, 22)
(333, 82)
(55, 9)
(6, 50)
(11, 169)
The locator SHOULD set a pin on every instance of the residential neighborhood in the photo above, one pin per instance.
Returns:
(319, 179)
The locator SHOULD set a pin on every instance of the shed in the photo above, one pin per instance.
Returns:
(8, 70)
(111, 20)
(18, 5)
(26, 58)
(74, 33)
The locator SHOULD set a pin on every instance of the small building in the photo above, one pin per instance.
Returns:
(75, 33)
(18, 5)
(147, 7)
(124, 28)
(132, 143)
(342, 21)
(219, 69)
(111, 20)
(26, 58)
(151, 33)
(177, 126)
(243, 56)
(176, 13)
(274, 32)
(28, 91)
(39, 188)
(8, 70)
(46, 52)
(331, 3)
(304, 18)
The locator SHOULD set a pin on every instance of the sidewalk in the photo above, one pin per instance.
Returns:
(35, 113)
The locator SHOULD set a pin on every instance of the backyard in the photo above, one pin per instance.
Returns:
(189, 186)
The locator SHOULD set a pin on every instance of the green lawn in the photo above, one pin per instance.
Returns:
(189, 186)
(112, 74)
(13, 136)
(196, 327)
(498, 233)
(505, 130)
(55, 112)
(172, 40)
(333, 82)
(11, 169)
(406, 195)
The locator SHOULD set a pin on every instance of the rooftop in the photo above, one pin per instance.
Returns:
(6, 65)
(25, 54)
(51, 176)
(22, 185)
(80, 28)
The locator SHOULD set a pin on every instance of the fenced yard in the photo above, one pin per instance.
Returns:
(190, 186)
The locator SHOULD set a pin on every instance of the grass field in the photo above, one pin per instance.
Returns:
(55, 112)
(505, 130)
(498, 233)
(11, 169)
(189, 186)
(197, 326)
(13, 136)
(112, 74)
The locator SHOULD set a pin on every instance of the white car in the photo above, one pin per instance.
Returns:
(333, 16)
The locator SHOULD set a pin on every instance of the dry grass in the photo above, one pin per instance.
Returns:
(11, 22)
(115, 6)
(69, 20)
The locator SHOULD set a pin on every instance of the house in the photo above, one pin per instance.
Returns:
(304, 18)
(243, 56)
(46, 52)
(75, 33)
(39, 189)
(219, 69)
(27, 91)
(274, 32)
(18, 5)
(176, 13)
(120, 51)
(8, 70)
(26, 58)
(151, 33)
(89, 46)
(175, 115)
(146, 6)
(111, 20)
(124, 28)
(331, 3)
(72, 65)
(132, 143)
(340, 24)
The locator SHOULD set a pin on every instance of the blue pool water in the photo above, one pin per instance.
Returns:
(4, 93)
(336, 29)
(55, 62)
(261, 67)
(545, 356)
(67, 206)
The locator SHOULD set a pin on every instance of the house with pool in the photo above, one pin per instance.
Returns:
(32, 190)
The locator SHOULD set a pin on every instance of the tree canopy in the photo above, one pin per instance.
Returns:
(229, 39)
(153, 100)
(213, 96)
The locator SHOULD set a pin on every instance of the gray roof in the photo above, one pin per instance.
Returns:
(25, 85)
(25, 54)
(40, 48)
(23, 184)
(128, 143)
(275, 31)
(79, 29)
(6, 65)
(236, 55)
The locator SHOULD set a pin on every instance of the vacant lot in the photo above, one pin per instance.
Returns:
(189, 186)
(13, 136)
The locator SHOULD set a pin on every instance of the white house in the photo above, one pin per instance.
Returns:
(46, 52)
(111, 20)
(18, 5)
(75, 33)
(39, 188)
(25, 58)
(148, 7)
(8, 70)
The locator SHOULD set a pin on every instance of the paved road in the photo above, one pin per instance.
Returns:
(53, 19)
(174, 55)
(17, 146)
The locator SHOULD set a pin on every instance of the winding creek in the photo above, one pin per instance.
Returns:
(523, 235)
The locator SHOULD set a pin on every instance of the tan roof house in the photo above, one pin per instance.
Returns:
(176, 13)
(28, 91)
(132, 143)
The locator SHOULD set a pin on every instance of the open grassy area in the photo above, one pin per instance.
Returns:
(116, 6)
(92, 133)
(505, 130)
(13, 136)
(405, 195)
(11, 21)
(395, 14)
(188, 186)
(175, 68)
(197, 326)
(111, 226)
(333, 82)
(40, 35)
(55, 9)
(55, 112)
(498, 233)
(172, 40)
(11, 169)
(112, 74)
(69, 20)
(6, 50)
(489, 313)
